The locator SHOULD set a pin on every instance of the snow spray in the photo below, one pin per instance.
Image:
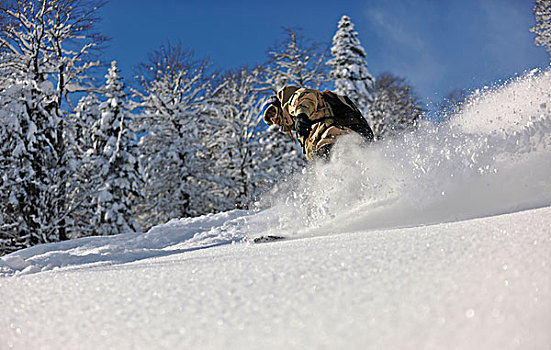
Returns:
(492, 157)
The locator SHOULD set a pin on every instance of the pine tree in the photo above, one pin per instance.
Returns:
(114, 159)
(349, 67)
(43, 58)
(542, 12)
(84, 180)
(395, 108)
(24, 178)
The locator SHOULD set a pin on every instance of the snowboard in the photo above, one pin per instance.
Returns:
(268, 238)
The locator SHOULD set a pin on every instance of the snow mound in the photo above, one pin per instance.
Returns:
(176, 236)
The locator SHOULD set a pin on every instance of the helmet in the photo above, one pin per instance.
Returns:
(271, 111)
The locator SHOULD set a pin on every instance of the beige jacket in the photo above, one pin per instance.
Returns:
(301, 100)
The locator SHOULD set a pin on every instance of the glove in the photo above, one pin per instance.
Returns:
(303, 125)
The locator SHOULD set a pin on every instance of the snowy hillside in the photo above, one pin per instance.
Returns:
(441, 239)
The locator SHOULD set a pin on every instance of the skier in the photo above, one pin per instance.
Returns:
(319, 118)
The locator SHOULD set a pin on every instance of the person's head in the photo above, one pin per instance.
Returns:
(271, 111)
(275, 109)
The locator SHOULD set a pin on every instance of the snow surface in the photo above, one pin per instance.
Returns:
(438, 240)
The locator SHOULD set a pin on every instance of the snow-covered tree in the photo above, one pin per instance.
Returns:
(85, 179)
(349, 67)
(246, 158)
(234, 110)
(295, 62)
(27, 164)
(173, 152)
(43, 57)
(395, 107)
(115, 161)
(542, 29)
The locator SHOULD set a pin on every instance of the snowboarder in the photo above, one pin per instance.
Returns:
(319, 118)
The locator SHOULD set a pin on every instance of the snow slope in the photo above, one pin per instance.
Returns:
(477, 284)
(441, 239)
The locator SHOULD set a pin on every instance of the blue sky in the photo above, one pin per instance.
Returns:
(437, 45)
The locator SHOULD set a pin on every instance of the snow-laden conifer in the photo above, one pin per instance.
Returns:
(115, 161)
(349, 71)
(84, 179)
